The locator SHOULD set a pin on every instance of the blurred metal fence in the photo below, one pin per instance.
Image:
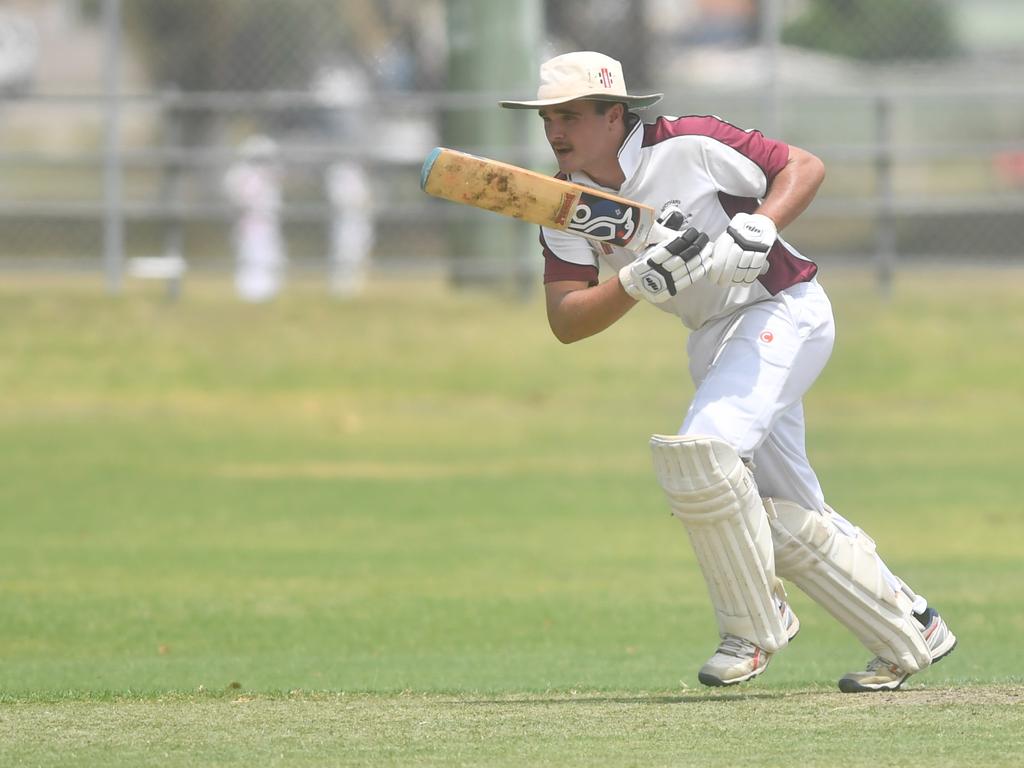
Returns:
(118, 120)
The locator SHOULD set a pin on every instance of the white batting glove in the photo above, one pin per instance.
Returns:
(741, 252)
(666, 268)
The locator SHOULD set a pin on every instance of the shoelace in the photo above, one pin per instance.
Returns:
(733, 645)
(878, 663)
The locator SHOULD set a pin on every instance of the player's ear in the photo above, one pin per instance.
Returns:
(616, 113)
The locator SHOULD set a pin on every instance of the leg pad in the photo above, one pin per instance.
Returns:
(845, 575)
(714, 495)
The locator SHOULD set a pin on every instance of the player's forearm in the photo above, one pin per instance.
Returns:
(793, 188)
(575, 313)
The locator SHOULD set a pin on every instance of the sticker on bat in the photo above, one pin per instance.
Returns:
(568, 198)
(601, 219)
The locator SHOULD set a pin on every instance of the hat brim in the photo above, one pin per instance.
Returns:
(633, 102)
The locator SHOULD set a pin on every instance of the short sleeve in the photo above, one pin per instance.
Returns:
(567, 257)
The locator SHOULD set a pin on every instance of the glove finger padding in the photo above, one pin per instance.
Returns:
(686, 258)
(749, 275)
(746, 260)
(673, 264)
(696, 266)
(741, 252)
(666, 268)
(678, 246)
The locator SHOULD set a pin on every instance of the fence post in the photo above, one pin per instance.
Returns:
(885, 226)
(170, 188)
(113, 212)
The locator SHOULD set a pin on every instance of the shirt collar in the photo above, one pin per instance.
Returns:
(629, 152)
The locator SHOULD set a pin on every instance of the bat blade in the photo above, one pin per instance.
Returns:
(529, 196)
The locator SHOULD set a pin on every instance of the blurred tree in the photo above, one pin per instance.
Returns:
(195, 45)
(236, 45)
(247, 46)
(875, 30)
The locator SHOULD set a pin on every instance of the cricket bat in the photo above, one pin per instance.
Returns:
(539, 199)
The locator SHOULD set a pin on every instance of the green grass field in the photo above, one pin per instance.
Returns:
(415, 530)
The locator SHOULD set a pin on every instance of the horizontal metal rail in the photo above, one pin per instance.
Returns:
(189, 157)
(86, 210)
(433, 101)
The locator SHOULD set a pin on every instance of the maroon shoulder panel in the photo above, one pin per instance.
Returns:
(770, 155)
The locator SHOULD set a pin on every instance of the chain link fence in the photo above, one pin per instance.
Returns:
(120, 120)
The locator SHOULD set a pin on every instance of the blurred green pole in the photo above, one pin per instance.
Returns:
(885, 233)
(113, 213)
(493, 51)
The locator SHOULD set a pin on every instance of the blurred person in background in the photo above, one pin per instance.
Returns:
(253, 186)
(351, 235)
(736, 474)
(344, 90)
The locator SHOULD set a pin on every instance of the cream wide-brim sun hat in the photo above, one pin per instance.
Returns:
(582, 75)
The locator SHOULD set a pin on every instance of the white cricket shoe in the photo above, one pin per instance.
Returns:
(883, 675)
(738, 660)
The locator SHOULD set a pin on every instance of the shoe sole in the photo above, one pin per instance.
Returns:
(848, 685)
(795, 627)
(945, 651)
(717, 682)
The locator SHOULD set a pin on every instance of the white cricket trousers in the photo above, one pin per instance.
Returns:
(751, 370)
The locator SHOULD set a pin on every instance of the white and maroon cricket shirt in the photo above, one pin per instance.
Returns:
(709, 169)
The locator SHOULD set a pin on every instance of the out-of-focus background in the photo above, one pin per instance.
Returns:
(120, 122)
(384, 517)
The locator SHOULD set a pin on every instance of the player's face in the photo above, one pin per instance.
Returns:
(581, 138)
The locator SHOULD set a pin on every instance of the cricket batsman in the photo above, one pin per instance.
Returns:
(761, 330)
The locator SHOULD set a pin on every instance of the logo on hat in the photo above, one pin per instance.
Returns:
(606, 77)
